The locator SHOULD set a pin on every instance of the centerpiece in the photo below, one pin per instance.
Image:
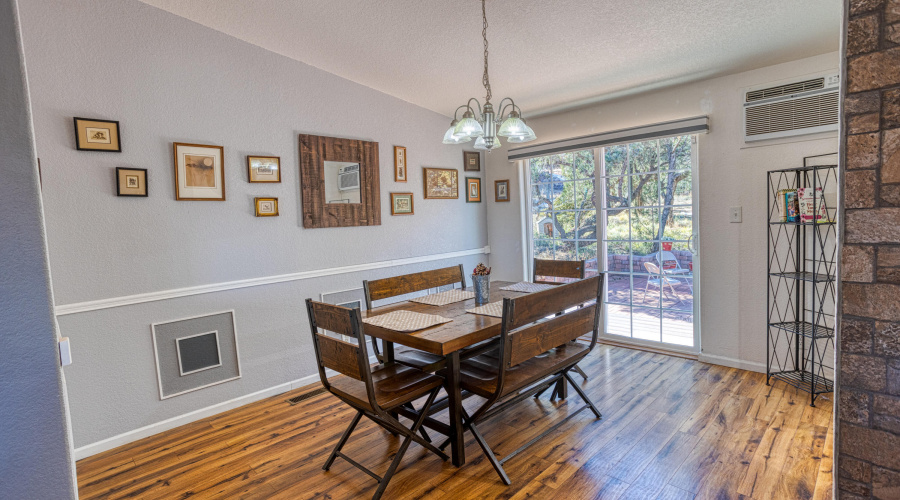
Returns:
(481, 280)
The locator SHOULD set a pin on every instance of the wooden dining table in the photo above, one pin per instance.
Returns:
(447, 340)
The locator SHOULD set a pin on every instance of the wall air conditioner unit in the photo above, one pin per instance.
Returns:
(348, 178)
(798, 108)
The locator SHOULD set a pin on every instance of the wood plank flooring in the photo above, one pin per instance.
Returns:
(672, 428)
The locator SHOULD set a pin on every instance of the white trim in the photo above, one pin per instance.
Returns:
(652, 344)
(199, 414)
(171, 423)
(237, 353)
(752, 366)
(178, 352)
(127, 300)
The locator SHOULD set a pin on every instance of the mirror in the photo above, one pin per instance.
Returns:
(342, 182)
(339, 182)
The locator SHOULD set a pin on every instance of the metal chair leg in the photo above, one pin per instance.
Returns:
(580, 371)
(488, 452)
(584, 396)
(410, 437)
(343, 441)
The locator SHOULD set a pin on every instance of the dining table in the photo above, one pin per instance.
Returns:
(447, 340)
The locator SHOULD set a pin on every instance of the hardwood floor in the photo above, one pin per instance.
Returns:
(672, 428)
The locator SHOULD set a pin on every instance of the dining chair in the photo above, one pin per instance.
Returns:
(396, 286)
(374, 394)
(522, 365)
(573, 269)
(670, 265)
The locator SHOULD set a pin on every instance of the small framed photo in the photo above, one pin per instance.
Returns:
(97, 135)
(472, 161)
(266, 207)
(400, 169)
(473, 190)
(441, 183)
(264, 168)
(131, 181)
(501, 190)
(199, 172)
(402, 204)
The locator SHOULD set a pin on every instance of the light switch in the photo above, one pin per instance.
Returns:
(65, 352)
(734, 214)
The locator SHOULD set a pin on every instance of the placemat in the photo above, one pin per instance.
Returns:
(444, 298)
(527, 287)
(494, 309)
(406, 321)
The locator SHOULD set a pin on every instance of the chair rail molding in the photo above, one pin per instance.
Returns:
(127, 300)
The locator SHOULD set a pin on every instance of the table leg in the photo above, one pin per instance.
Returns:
(457, 438)
(388, 351)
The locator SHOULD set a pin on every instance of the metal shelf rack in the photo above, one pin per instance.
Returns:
(801, 282)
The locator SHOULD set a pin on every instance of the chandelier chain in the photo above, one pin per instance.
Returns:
(485, 79)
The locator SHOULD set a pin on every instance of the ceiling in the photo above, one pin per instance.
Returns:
(547, 55)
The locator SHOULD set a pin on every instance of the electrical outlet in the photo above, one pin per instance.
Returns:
(734, 214)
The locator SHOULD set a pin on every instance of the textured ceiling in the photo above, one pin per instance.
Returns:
(547, 55)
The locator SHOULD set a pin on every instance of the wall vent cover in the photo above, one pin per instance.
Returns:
(799, 108)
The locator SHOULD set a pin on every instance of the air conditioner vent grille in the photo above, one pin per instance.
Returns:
(782, 90)
(805, 112)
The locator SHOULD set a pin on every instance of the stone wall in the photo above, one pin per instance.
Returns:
(869, 406)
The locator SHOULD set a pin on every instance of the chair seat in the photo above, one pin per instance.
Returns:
(415, 358)
(394, 385)
(479, 374)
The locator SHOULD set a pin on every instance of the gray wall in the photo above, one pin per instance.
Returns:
(35, 445)
(168, 79)
(731, 268)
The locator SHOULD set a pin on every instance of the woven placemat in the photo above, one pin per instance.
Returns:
(444, 298)
(527, 287)
(494, 309)
(406, 321)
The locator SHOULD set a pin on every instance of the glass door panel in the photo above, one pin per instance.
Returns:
(648, 222)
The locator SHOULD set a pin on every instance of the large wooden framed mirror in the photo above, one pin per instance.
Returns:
(339, 182)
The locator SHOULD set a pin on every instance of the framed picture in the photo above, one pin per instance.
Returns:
(264, 168)
(399, 164)
(131, 181)
(402, 204)
(199, 172)
(266, 207)
(471, 161)
(501, 190)
(473, 190)
(97, 135)
(441, 183)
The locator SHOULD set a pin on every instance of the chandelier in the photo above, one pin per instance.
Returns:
(484, 126)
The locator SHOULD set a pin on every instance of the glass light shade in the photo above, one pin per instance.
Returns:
(449, 138)
(512, 126)
(468, 127)
(518, 139)
(480, 144)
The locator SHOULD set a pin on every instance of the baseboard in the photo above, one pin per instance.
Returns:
(752, 366)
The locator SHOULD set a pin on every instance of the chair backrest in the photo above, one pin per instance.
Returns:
(409, 283)
(558, 269)
(343, 357)
(652, 268)
(665, 257)
(524, 336)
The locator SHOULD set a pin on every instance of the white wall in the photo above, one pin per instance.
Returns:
(168, 79)
(35, 443)
(731, 173)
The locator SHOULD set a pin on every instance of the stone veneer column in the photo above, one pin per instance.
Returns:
(869, 406)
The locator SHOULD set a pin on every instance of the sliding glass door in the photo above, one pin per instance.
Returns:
(639, 199)
(648, 227)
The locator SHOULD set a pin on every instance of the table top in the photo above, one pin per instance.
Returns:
(465, 330)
